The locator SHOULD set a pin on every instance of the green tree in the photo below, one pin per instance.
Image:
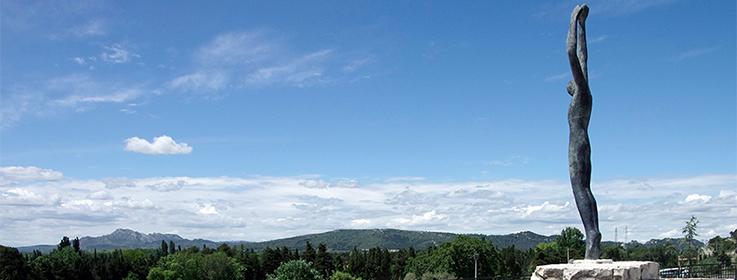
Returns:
(131, 276)
(295, 270)
(399, 264)
(613, 252)
(689, 231)
(323, 260)
(75, 245)
(512, 266)
(309, 253)
(356, 262)
(12, 264)
(214, 266)
(571, 242)
(546, 253)
(172, 248)
(339, 275)
(164, 248)
(138, 261)
(225, 248)
(456, 258)
(431, 276)
(270, 260)
(63, 243)
(59, 264)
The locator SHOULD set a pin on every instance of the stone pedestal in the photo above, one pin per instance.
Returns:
(597, 270)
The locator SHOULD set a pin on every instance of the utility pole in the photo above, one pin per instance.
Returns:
(624, 244)
(475, 265)
(615, 235)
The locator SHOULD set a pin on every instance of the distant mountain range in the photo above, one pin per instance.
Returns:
(126, 238)
(337, 240)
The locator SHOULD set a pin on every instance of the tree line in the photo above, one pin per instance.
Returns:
(451, 260)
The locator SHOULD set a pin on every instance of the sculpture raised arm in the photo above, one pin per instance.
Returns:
(577, 49)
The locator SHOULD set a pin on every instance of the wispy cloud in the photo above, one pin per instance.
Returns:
(117, 53)
(695, 53)
(306, 204)
(513, 161)
(162, 145)
(356, 64)
(28, 173)
(258, 59)
(76, 92)
(200, 81)
(598, 39)
(557, 77)
(238, 48)
(92, 28)
(301, 71)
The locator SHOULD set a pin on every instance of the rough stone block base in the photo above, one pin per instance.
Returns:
(597, 270)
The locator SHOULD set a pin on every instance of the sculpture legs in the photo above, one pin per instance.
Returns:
(586, 205)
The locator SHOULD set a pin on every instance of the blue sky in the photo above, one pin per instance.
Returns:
(361, 95)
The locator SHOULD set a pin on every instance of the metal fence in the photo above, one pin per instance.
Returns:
(700, 271)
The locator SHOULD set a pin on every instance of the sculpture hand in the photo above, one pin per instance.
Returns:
(583, 13)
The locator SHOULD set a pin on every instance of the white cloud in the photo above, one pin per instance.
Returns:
(28, 173)
(274, 207)
(356, 64)
(670, 234)
(298, 72)
(237, 48)
(207, 210)
(727, 193)
(258, 59)
(598, 39)
(513, 161)
(698, 198)
(83, 204)
(360, 223)
(75, 92)
(322, 184)
(21, 197)
(79, 60)
(427, 218)
(545, 207)
(200, 81)
(100, 195)
(695, 53)
(91, 28)
(557, 77)
(162, 145)
(116, 53)
(118, 96)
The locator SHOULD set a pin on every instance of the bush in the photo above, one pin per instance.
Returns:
(196, 266)
(431, 276)
(295, 270)
(339, 275)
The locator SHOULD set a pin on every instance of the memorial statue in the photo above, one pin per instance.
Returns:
(579, 113)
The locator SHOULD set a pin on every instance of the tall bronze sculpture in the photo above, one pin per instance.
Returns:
(579, 113)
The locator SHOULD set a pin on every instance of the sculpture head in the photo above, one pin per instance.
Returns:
(571, 88)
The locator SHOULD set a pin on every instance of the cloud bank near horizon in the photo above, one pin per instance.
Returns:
(261, 207)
